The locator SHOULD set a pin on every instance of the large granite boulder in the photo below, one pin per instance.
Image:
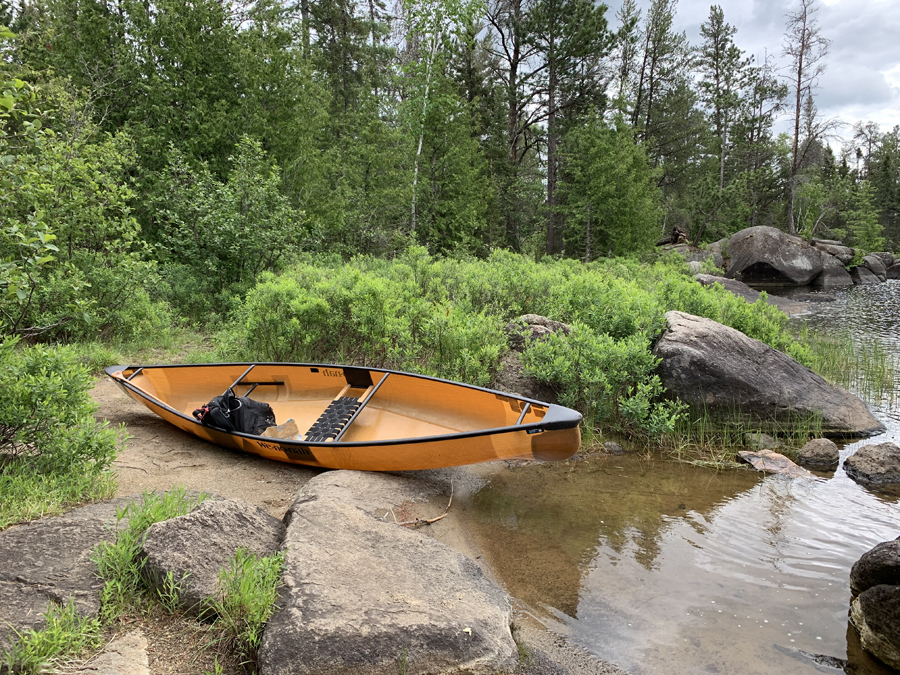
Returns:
(843, 253)
(886, 257)
(893, 272)
(742, 290)
(876, 265)
(878, 565)
(833, 275)
(364, 595)
(193, 549)
(729, 374)
(49, 561)
(819, 453)
(863, 276)
(766, 255)
(876, 615)
(877, 464)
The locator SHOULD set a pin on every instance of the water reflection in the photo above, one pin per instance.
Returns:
(668, 568)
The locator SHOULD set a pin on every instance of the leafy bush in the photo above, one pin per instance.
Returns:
(46, 414)
(72, 263)
(445, 317)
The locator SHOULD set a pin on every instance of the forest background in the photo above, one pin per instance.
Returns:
(348, 181)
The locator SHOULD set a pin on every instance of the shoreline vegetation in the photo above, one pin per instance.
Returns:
(438, 316)
(361, 185)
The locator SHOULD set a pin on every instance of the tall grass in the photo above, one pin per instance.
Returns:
(866, 368)
(248, 589)
(118, 562)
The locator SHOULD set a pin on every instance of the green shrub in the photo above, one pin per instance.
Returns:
(445, 317)
(46, 413)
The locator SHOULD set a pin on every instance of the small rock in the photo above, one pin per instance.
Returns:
(876, 615)
(819, 452)
(125, 655)
(875, 464)
(613, 448)
(530, 327)
(771, 462)
(195, 547)
(879, 565)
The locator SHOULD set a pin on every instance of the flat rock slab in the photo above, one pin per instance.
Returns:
(742, 290)
(720, 369)
(125, 655)
(771, 462)
(48, 561)
(365, 596)
(194, 548)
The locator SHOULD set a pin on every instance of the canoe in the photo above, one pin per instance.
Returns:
(368, 419)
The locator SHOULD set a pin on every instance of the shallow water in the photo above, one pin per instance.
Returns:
(667, 568)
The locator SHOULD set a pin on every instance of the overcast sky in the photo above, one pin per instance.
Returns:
(862, 79)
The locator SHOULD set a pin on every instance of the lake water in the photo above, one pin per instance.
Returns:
(666, 568)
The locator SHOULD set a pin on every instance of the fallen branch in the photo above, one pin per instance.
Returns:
(421, 521)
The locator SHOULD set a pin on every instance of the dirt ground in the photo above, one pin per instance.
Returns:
(159, 457)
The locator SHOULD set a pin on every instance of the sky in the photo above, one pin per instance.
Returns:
(862, 77)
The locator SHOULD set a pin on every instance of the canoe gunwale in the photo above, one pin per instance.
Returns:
(556, 418)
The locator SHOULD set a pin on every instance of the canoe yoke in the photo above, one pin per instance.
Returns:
(333, 420)
(340, 413)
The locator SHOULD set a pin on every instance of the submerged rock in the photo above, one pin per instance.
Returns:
(819, 453)
(742, 290)
(877, 464)
(721, 370)
(771, 462)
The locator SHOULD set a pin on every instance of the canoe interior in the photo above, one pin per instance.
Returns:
(402, 407)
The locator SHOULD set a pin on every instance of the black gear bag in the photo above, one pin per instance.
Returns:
(234, 413)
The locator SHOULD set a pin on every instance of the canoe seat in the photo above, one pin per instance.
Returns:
(332, 420)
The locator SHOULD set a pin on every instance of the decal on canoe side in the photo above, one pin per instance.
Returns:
(290, 450)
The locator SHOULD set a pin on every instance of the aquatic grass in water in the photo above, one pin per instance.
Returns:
(712, 439)
(866, 368)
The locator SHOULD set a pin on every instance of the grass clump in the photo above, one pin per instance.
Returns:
(248, 590)
(118, 562)
(66, 636)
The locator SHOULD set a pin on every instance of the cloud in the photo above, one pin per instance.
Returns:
(862, 77)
